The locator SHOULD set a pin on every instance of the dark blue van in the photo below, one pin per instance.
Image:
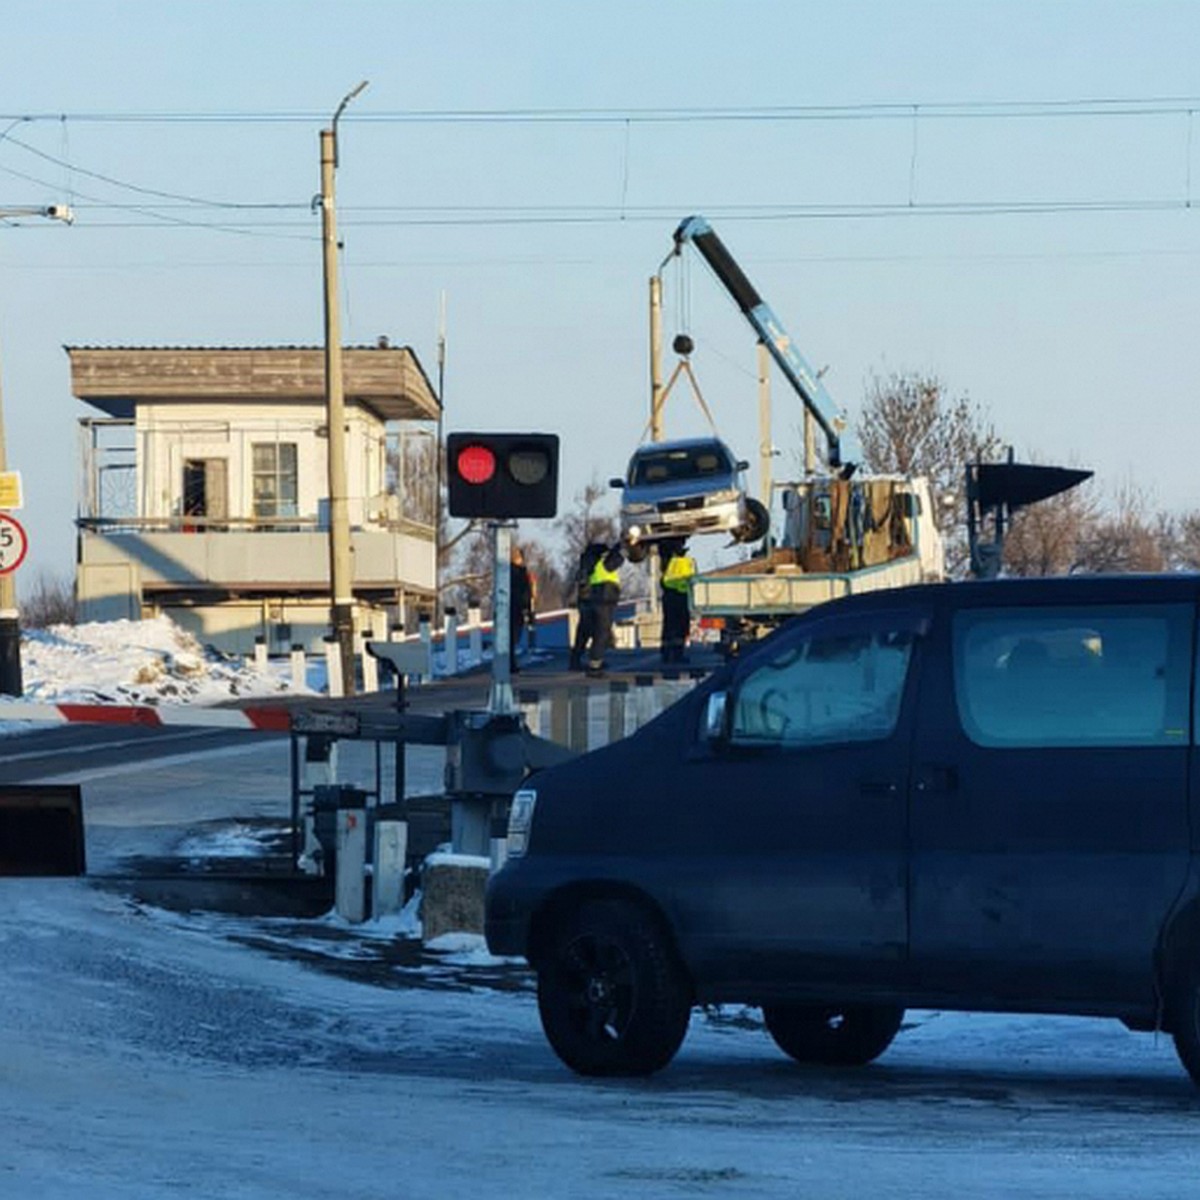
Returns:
(975, 796)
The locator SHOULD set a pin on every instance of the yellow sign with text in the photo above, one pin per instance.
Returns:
(10, 490)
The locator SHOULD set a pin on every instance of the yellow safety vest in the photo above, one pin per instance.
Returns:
(602, 575)
(679, 570)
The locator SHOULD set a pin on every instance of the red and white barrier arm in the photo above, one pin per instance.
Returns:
(272, 720)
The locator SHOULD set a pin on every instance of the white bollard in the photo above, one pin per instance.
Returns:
(333, 667)
(260, 653)
(370, 666)
(426, 636)
(387, 877)
(450, 644)
(299, 668)
(351, 870)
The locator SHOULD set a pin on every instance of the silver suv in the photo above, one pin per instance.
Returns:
(676, 489)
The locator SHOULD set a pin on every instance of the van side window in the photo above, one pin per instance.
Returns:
(1097, 676)
(829, 687)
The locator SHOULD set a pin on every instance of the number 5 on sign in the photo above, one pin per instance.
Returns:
(13, 543)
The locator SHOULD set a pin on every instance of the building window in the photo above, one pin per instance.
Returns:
(274, 479)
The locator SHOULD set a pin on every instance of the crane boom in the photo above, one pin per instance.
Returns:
(766, 324)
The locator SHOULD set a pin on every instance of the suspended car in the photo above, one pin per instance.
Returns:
(676, 489)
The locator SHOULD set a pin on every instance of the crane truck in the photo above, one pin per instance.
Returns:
(843, 532)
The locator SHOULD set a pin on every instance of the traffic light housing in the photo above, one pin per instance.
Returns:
(502, 475)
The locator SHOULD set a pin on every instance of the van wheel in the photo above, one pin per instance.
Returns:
(637, 552)
(1185, 1021)
(834, 1036)
(612, 997)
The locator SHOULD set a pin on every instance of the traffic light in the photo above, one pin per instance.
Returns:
(503, 475)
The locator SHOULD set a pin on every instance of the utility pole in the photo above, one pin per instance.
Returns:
(341, 576)
(656, 383)
(439, 454)
(11, 683)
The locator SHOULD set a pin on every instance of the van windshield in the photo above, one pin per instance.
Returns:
(695, 462)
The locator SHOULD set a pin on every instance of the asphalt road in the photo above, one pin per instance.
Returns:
(69, 749)
(150, 1053)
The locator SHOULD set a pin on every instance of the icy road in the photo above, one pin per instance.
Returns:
(149, 1055)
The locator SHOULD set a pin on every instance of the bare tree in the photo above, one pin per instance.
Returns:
(910, 425)
(1047, 538)
(587, 521)
(1131, 537)
(1186, 541)
(51, 601)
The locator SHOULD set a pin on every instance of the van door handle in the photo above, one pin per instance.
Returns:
(877, 787)
(937, 779)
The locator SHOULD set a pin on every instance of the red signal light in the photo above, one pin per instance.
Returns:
(476, 463)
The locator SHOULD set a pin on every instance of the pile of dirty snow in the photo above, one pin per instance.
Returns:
(135, 662)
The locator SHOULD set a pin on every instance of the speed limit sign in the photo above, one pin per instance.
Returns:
(13, 543)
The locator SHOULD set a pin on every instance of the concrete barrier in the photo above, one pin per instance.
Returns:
(452, 893)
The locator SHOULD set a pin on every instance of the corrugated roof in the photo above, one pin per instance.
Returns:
(385, 379)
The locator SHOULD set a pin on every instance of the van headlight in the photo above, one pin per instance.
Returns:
(520, 821)
(638, 509)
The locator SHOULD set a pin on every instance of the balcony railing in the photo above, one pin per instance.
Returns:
(193, 524)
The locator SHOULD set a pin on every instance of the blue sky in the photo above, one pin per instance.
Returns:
(1074, 328)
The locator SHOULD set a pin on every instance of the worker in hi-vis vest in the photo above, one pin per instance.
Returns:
(678, 567)
(583, 602)
(604, 591)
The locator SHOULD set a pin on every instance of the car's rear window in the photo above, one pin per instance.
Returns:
(1103, 676)
(693, 463)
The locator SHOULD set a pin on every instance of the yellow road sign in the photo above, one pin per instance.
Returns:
(10, 490)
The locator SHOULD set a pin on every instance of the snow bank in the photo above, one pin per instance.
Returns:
(135, 662)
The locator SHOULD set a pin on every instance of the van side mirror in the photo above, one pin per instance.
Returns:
(617, 483)
(716, 726)
(743, 465)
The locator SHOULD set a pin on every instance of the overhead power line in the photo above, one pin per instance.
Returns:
(890, 110)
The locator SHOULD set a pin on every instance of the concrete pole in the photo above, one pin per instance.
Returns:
(656, 414)
(656, 383)
(502, 699)
(341, 581)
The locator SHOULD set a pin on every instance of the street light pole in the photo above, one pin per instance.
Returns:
(11, 683)
(341, 579)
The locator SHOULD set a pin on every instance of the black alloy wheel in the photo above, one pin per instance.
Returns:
(612, 998)
(1185, 1021)
(847, 1036)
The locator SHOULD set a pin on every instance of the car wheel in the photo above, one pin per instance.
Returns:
(837, 1036)
(612, 997)
(758, 521)
(1185, 1021)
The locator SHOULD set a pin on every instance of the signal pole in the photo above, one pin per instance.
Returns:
(11, 683)
(341, 577)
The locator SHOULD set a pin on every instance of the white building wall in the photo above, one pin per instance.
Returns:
(169, 434)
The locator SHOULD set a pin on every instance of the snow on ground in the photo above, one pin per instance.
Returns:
(156, 662)
(135, 662)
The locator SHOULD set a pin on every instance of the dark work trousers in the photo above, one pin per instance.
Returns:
(583, 632)
(676, 624)
(516, 622)
(603, 612)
